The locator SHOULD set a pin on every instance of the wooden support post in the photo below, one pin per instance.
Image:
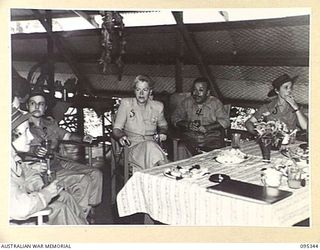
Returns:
(87, 17)
(67, 54)
(80, 122)
(50, 51)
(104, 152)
(179, 55)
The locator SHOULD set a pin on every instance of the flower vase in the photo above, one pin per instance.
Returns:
(265, 143)
(276, 142)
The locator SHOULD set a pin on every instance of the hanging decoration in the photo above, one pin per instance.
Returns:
(112, 42)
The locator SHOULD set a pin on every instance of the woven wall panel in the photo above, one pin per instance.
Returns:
(154, 43)
(84, 44)
(277, 41)
(257, 91)
(29, 46)
(259, 73)
(110, 82)
(231, 80)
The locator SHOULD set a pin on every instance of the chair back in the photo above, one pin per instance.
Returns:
(120, 166)
(175, 99)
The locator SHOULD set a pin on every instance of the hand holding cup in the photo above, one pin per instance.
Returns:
(124, 141)
(88, 138)
(40, 167)
(194, 125)
(40, 151)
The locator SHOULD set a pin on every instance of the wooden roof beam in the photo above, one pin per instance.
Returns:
(192, 45)
(178, 58)
(87, 17)
(221, 59)
(66, 53)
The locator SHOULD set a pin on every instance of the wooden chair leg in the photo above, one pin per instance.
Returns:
(40, 220)
(113, 179)
(126, 164)
(175, 150)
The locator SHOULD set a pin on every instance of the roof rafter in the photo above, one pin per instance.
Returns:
(87, 17)
(66, 53)
(192, 45)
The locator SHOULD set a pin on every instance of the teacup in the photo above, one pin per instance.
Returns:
(271, 177)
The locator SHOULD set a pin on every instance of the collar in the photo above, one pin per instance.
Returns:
(138, 105)
(201, 105)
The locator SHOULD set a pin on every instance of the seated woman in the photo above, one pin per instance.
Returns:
(283, 107)
(136, 125)
(23, 200)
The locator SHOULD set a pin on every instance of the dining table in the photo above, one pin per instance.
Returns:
(188, 202)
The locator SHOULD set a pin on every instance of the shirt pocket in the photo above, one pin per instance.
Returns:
(132, 122)
(151, 123)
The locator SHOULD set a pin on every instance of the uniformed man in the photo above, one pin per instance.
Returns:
(83, 182)
(202, 117)
(25, 201)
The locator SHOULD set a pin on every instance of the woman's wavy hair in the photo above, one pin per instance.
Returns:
(143, 78)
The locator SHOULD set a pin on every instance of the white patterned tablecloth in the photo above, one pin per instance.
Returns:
(187, 202)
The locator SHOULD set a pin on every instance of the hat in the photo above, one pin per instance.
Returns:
(38, 91)
(276, 84)
(18, 117)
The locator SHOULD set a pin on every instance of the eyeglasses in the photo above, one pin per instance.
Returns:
(39, 104)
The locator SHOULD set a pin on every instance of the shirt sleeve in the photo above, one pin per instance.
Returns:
(23, 204)
(121, 115)
(258, 114)
(162, 123)
(33, 180)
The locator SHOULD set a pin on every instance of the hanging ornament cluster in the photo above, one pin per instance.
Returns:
(112, 42)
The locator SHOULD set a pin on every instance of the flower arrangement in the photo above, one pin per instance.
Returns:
(273, 128)
(276, 130)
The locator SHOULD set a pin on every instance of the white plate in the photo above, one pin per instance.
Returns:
(231, 157)
(202, 173)
(223, 161)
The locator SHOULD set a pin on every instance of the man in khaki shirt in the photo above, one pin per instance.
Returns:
(202, 117)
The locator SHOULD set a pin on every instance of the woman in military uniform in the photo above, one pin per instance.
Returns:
(138, 123)
(283, 107)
